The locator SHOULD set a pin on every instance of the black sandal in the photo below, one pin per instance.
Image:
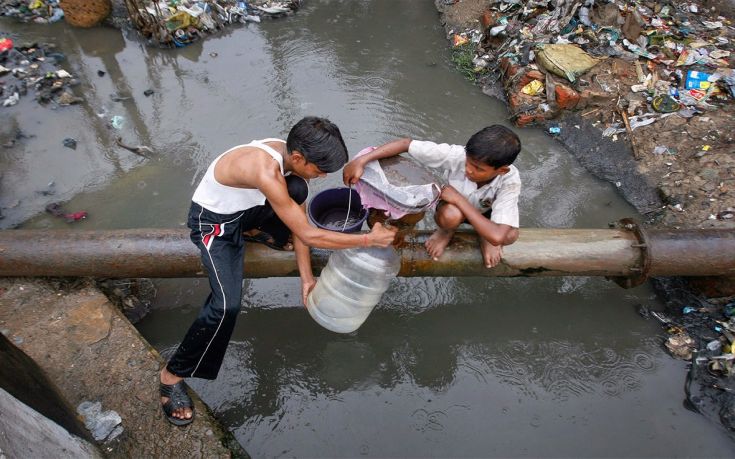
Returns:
(266, 239)
(177, 398)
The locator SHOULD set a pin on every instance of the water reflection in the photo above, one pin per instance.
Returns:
(432, 343)
(433, 351)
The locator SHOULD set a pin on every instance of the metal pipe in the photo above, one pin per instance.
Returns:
(617, 253)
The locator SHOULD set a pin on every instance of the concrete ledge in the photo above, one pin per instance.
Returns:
(91, 352)
(26, 433)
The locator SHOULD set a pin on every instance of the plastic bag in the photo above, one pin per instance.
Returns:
(567, 61)
(403, 187)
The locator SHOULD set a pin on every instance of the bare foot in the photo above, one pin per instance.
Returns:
(169, 378)
(438, 242)
(491, 254)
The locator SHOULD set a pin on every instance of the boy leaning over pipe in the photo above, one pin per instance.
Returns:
(482, 188)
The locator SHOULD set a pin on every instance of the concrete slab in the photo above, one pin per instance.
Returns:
(92, 353)
(26, 433)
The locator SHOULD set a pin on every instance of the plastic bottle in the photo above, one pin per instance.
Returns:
(350, 286)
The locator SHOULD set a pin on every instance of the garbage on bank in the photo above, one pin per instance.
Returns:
(712, 352)
(633, 59)
(174, 23)
(104, 425)
(34, 68)
(37, 11)
(178, 23)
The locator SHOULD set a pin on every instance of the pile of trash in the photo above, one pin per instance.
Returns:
(659, 74)
(37, 11)
(651, 58)
(702, 332)
(177, 23)
(34, 67)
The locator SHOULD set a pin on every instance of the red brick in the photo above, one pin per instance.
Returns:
(566, 97)
(528, 118)
(509, 68)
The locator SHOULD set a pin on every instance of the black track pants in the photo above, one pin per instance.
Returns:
(220, 240)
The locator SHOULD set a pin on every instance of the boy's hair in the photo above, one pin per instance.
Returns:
(320, 141)
(494, 145)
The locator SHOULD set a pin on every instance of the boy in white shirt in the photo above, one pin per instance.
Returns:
(482, 187)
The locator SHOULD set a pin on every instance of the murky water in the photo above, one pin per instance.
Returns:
(443, 367)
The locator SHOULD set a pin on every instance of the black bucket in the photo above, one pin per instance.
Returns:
(328, 210)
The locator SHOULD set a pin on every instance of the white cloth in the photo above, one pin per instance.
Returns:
(500, 195)
(223, 199)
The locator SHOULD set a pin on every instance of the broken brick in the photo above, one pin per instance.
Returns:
(529, 118)
(566, 97)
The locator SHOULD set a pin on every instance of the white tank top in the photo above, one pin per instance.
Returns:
(223, 199)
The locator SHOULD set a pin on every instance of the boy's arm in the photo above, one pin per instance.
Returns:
(354, 169)
(303, 261)
(272, 184)
(495, 233)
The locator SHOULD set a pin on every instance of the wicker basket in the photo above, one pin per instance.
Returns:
(85, 13)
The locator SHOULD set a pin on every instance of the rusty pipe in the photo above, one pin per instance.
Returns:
(618, 253)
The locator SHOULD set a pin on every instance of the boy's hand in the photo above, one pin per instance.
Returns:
(307, 285)
(451, 195)
(352, 172)
(380, 236)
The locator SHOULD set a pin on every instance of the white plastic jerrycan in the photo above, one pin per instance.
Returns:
(351, 285)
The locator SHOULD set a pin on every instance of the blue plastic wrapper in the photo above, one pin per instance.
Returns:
(698, 80)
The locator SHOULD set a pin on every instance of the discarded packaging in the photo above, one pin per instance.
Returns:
(5, 44)
(680, 345)
(117, 121)
(533, 88)
(568, 61)
(105, 426)
(459, 40)
(665, 104)
(698, 80)
(70, 143)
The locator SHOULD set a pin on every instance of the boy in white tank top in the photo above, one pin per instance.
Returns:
(259, 186)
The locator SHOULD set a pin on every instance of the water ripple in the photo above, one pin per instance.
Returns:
(563, 369)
